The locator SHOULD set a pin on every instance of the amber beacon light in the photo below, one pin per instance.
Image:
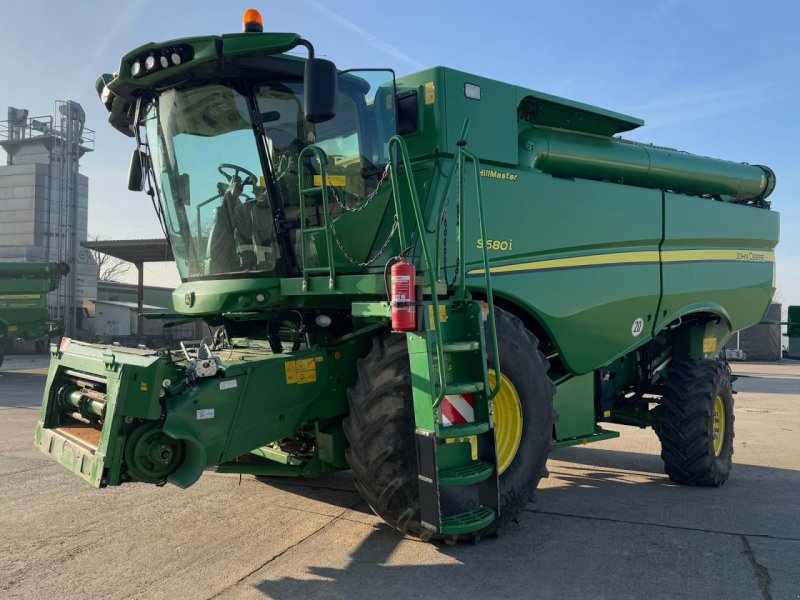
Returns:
(252, 21)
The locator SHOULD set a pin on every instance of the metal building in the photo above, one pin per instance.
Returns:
(44, 202)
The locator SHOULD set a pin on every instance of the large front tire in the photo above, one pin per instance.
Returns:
(696, 423)
(380, 429)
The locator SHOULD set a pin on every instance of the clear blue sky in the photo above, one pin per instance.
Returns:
(717, 78)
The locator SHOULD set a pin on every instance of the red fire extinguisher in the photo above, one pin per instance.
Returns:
(404, 296)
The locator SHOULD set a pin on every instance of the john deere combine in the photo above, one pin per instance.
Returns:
(23, 302)
(410, 278)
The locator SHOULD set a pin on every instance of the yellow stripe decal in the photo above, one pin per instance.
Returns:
(627, 258)
(20, 296)
(756, 256)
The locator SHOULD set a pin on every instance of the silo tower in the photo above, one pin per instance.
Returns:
(44, 201)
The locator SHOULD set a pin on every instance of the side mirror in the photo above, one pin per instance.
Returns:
(321, 88)
(136, 171)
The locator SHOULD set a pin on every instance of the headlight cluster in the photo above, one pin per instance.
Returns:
(163, 58)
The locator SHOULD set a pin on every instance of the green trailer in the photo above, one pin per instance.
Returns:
(23, 302)
(563, 277)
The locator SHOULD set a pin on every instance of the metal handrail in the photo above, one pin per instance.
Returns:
(397, 142)
(464, 153)
(319, 154)
(458, 165)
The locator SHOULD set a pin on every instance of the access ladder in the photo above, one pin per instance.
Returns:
(448, 356)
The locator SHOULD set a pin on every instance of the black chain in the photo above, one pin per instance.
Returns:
(376, 256)
(369, 199)
(356, 209)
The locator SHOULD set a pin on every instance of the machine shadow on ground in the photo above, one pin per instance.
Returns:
(310, 489)
(594, 492)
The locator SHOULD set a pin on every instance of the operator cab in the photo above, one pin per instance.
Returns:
(222, 147)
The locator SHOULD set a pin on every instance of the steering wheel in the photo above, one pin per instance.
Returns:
(252, 178)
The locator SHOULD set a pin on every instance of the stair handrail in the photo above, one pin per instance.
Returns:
(458, 165)
(322, 158)
(398, 144)
(464, 153)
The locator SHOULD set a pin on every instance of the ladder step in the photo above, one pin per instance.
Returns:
(460, 431)
(307, 230)
(465, 475)
(465, 346)
(317, 269)
(468, 387)
(467, 522)
(311, 190)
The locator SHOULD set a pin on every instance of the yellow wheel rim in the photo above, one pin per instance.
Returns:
(507, 421)
(719, 425)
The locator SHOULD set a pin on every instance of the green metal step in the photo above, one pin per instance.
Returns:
(468, 387)
(313, 230)
(465, 346)
(311, 190)
(465, 475)
(459, 431)
(467, 522)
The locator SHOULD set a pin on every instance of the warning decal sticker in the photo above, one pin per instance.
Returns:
(301, 371)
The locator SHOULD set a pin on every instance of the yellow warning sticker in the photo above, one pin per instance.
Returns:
(301, 371)
(333, 180)
(430, 93)
(709, 345)
(143, 387)
(12, 328)
(442, 315)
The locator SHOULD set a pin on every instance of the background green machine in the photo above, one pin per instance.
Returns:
(559, 269)
(23, 302)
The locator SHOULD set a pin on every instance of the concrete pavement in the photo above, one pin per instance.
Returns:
(607, 523)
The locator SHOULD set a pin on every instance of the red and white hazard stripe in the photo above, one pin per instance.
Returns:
(457, 410)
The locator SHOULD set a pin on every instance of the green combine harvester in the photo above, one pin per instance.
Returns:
(23, 302)
(430, 280)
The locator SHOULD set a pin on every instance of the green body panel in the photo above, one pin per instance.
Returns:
(587, 309)
(576, 416)
(214, 296)
(739, 282)
(598, 436)
(243, 418)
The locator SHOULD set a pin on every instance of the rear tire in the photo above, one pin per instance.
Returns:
(697, 405)
(380, 430)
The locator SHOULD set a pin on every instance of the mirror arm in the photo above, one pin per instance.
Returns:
(307, 44)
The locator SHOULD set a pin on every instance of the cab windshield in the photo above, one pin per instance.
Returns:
(229, 186)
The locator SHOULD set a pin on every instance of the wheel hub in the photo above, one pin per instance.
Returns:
(151, 455)
(507, 421)
(718, 425)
